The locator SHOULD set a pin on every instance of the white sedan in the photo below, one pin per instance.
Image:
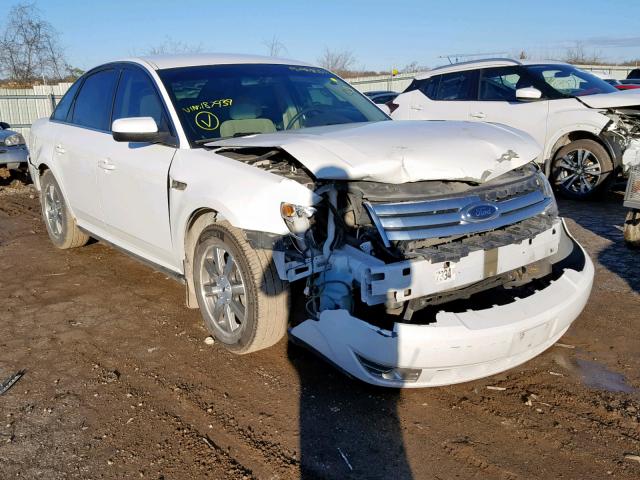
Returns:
(427, 253)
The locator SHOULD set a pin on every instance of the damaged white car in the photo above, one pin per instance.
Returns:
(425, 253)
(589, 130)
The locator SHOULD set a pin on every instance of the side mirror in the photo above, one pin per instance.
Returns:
(528, 93)
(136, 129)
(5, 126)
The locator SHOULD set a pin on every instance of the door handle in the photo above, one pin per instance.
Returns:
(416, 107)
(60, 149)
(478, 115)
(106, 164)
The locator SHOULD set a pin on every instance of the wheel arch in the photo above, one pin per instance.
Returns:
(196, 222)
(572, 136)
(40, 169)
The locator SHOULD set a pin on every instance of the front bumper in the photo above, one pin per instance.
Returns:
(13, 157)
(457, 347)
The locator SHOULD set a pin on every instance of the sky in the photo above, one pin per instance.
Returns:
(381, 34)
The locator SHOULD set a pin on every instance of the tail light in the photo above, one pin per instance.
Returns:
(392, 106)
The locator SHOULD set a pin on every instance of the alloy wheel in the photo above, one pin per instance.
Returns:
(54, 210)
(223, 290)
(578, 172)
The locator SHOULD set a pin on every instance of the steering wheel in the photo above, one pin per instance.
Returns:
(302, 112)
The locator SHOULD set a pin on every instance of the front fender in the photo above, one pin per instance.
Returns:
(564, 122)
(247, 197)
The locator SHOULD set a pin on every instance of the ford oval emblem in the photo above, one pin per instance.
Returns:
(480, 212)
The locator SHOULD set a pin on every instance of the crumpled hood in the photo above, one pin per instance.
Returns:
(402, 151)
(622, 98)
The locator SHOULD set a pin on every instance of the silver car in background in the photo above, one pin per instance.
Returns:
(13, 149)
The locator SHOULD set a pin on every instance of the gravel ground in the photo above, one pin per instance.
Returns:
(120, 383)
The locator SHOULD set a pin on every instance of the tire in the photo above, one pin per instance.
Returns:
(631, 229)
(61, 225)
(243, 322)
(581, 169)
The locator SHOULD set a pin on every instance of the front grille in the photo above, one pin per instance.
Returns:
(450, 216)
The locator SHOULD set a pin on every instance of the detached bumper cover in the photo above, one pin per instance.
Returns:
(457, 347)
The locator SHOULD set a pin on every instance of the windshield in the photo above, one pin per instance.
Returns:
(222, 101)
(570, 81)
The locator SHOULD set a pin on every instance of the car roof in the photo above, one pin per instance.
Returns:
(485, 63)
(160, 62)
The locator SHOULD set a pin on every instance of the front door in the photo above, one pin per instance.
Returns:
(133, 178)
(497, 102)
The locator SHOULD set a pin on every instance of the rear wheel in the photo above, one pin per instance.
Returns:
(632, 228)
(581, 169)
(244, 303)
(61, 225)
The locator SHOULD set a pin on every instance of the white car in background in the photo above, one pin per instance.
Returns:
(425, 253)
(588, 129)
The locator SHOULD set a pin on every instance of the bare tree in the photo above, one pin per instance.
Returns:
(172, 46)
(578, 55)
(340, 62)
(410, 67)
(30, 48)
(413, 67)
(274, 46)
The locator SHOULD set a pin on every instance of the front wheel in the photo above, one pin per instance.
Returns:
(244, 303)
(581, 169)
(631, 229)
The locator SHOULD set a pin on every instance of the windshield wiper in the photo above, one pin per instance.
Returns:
(202, 141)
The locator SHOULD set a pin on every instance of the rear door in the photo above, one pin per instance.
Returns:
(444, 97)
(81, 137)
(133, 178)
(497, 102)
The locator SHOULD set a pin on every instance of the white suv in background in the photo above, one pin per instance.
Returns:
(588, 129)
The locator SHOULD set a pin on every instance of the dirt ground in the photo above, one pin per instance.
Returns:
(120, 384)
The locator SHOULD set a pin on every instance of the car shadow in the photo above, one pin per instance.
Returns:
(10, 177)
(604, 217)
(348, 429)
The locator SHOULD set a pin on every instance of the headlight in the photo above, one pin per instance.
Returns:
(15, 139)
(297, 217)
(543, 181)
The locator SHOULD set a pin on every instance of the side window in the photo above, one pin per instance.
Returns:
(62, 109)
(500, 84)
(457, 86)
(137, 97)
(92, 107)
(429, 86)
